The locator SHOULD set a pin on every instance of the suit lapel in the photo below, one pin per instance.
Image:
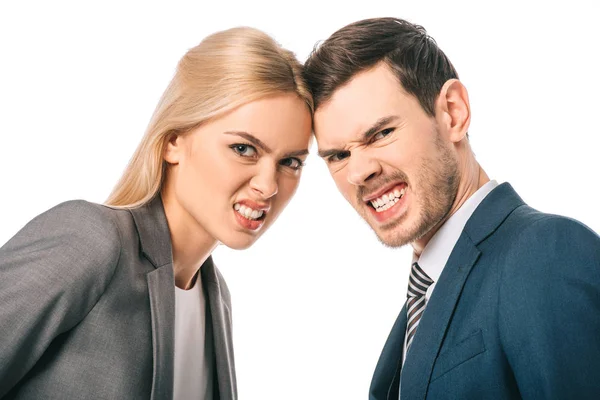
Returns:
(155, 245)
(393, 389)
(220, 320)
(162, 307)
(488, 216)
(416, 372)
(434, 322)
(389, 365)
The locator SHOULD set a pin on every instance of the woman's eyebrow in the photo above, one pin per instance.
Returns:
(253, 139)
(296, 153)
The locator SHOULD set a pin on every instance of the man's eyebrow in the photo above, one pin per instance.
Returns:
(254, 140)
(377, 126)
(374, 129)
(329, 152)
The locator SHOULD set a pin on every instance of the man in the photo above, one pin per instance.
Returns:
(503, 301)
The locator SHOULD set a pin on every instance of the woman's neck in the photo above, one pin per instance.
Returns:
(191, 244)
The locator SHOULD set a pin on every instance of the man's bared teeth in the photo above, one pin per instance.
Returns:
(388, 200)
(387, 205)
(236, 207)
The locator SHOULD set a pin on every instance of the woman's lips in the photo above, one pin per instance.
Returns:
(250, 224)
(249, 214)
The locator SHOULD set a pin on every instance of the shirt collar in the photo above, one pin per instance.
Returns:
(436, 253)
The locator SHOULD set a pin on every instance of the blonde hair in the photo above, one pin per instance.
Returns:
(226, 70)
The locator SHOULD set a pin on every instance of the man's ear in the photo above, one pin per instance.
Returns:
(453, 111)
(174, 149)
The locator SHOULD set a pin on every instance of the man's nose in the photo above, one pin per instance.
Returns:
(362, 168)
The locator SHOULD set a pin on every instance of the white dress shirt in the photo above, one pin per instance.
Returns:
(193, 370)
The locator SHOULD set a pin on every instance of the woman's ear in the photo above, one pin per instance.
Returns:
(453, 111)
(174, 149)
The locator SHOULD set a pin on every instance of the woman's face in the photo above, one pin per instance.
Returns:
(232, 176)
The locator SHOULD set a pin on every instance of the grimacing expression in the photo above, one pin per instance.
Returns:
(235, 174)
(387, 156)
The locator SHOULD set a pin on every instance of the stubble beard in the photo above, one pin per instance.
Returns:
(433, 193)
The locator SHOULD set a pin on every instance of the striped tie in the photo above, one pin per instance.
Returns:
(418, 282)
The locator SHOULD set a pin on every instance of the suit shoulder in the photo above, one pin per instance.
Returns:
(543, 246)
(83, 233)
(549, 291)
(83, 212)
(53, 271)
(87, 216)
(526, 223)
(536, 227)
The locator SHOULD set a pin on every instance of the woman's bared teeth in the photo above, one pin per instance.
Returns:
(388, 200)
(247, 212)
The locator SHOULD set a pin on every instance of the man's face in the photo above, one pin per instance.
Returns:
(387, 156)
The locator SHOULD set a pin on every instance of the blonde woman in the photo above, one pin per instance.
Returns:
(122, 300)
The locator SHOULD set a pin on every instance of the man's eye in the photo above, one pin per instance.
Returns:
(244, 150)
(339, 156)
(382, 134)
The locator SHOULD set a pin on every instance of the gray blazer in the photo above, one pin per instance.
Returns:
(87, 307)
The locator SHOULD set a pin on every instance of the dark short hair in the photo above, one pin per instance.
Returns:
(418, 63)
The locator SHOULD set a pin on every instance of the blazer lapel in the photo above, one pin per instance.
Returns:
(488, 216)
(384, 384)
(162, 306)
(434, 322)
(155, 245)
(220, 319)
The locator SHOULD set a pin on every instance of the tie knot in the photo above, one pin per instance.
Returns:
(418, 282)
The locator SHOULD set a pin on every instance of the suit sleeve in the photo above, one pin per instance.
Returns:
(550, 310)
(52, 273)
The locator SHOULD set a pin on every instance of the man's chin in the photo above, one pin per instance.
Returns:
(395, 233)
(393, 241)
(395, 237)
(401, 232)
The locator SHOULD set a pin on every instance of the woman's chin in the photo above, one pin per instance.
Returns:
(243, 234)
(239, 241)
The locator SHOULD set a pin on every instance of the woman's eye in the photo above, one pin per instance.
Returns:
(293, 163)
(244, 150)
(382, 134)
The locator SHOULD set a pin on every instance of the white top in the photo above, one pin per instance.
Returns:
(193, 374)
(435, 255)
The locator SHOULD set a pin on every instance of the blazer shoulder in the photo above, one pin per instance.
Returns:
(534, 229)
(53, 272)
(549, 291)
(528, 225)
(99, 215)
(545, 246)
(80, 233)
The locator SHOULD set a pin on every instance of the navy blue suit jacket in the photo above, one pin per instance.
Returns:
(515, 313)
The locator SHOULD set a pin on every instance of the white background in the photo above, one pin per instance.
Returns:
(315, 298)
